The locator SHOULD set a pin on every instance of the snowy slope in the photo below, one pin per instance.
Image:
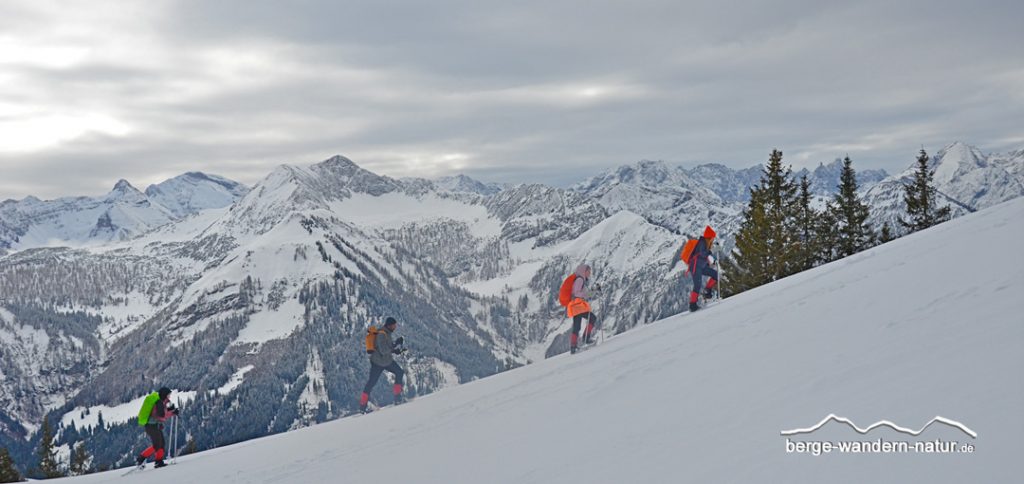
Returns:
(704, 397)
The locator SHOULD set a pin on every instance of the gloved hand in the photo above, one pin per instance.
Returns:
(175, 411)
(711, 260)
(398, 351)
(399, 341)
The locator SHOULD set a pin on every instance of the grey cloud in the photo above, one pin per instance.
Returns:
(524, 91)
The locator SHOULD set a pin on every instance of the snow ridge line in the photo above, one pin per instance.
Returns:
(832, 416)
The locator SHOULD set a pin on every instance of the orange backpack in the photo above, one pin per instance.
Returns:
(565, 292)
(371, 338)
(688, 250)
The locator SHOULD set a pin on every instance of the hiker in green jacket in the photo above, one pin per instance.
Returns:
(156, 408)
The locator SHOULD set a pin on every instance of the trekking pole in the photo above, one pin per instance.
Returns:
(718, 265)
(174, 454)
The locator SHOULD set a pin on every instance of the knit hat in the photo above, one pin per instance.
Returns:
(389, 321)
(164, 392)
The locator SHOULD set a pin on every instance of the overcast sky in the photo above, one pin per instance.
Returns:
(512, 91)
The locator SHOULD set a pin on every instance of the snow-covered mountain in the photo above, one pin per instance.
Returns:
(825, 178)
(967, 180)
(729, 184)
(667, 196)
(119, 215)
(463, 183)
(193, 192)
(705, 397)
(122, 214)
(684, 200)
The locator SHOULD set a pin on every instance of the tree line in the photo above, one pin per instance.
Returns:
(783, 233)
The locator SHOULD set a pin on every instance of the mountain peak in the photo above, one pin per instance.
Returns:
(194, 191)
(337, 161)
(125, 191)
(122, 185)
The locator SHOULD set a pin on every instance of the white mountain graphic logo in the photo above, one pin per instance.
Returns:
(883, 423)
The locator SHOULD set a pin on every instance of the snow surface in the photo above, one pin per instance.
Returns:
(235, 381)
(704, 397)
(268, 324)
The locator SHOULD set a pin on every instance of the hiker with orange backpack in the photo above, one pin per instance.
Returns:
(382, 352)
(697, 254)
(573, 295)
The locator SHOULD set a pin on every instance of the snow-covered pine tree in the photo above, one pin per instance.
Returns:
(920, 197)
(855, 233)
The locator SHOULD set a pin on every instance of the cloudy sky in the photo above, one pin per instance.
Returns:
(543, 91)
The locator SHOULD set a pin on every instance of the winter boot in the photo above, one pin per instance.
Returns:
(364, 401)
(397, 392)
(573, 350)
(693, 307)
(140, 461)
(159, 464)
(708, 293)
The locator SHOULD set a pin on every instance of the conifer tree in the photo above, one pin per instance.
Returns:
(886, 235)
(827, 234)
(921, 199)
(8, 473)
(767, 244)
(855, 234)
(79, 460)
(806, 220)
(48, 467)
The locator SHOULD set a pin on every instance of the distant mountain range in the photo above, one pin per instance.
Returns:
(253, 302)
(123, 213)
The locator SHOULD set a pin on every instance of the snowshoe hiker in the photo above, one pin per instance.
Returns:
(577, 307)
(699, 262)
(156, 409)
(382, 357)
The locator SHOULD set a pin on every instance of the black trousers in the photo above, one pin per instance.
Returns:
(577, 321)
(375, 372)
(156, 436)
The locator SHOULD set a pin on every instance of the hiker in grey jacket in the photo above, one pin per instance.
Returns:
(383, 358)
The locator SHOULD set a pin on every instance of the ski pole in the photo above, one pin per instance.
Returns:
(174, 440)
(718, 265)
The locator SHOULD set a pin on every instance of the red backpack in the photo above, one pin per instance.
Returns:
(565, 292)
